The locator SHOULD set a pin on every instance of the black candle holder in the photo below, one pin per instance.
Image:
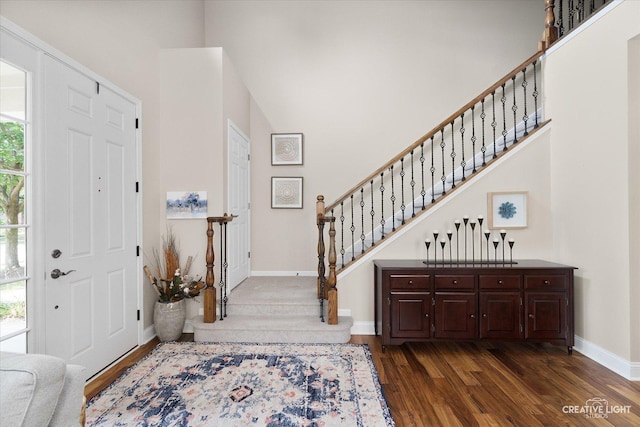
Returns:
(449, 235)
(465, 220)
(457, 224)
(480, 220)
(473, 241)
(511, 243)
(487, 235)
(427, 243)
(442, 245)
(495, 250)
(435, 247)
(503, 234)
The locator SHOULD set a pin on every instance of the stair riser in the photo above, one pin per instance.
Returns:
(268, 336)
(270, 309)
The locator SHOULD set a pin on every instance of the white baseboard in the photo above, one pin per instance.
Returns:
(284, 273)
(362, 328)
(148, 334)
(625, 368)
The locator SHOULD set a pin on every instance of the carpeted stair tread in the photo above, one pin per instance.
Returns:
(272, 310)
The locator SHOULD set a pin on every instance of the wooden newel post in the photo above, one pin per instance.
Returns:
(550, 34)
(332, 290)
(209, 304)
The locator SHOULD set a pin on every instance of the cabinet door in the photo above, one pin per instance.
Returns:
(455, 315)
(545, 315)
(500, 314)
(410, 315)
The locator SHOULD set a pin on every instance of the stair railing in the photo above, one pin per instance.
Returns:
(438, 163)
(209, 292)
(327, 289)
(563, 16)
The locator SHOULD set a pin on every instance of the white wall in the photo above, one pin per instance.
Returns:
(361, 80)
(594, 185)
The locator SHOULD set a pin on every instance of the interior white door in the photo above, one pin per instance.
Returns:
(238, 229)
(91, 219)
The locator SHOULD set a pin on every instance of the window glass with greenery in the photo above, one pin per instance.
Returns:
(13, 221)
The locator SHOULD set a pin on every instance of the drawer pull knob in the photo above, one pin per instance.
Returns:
(499, 282)
(546, 282)
(411, 282)
(484, 315)
(426, 315)
(531, 316)
(473, 316)
(455, 282)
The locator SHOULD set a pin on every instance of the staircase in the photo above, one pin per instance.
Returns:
(285, 309)
(273, 310)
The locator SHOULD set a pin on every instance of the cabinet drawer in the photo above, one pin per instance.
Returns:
(544, 281)
(409, 281)
(455, 282)
(499, 282)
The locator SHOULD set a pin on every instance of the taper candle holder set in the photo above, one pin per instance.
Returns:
(469, 228)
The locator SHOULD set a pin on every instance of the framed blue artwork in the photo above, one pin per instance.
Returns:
(507, 210)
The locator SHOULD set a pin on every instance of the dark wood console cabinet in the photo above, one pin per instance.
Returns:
(529, 300)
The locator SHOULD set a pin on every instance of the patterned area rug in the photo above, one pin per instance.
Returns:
(229, 384)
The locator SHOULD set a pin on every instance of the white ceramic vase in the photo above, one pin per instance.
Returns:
(168, 318)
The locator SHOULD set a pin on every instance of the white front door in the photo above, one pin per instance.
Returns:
(91, 219)
(238, 229)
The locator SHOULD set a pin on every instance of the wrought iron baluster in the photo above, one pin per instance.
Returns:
(362, 236)
(525, 117)
(535, 94)
(453, 158)
(561, 20)
(443, 178)
(463, 163)
(413, 188)
(473, 136)
(221, 283)
(422, 159)
(372, 213)
(483, 116)
(402, 174)
(226, 266)
(393, 201)
(382, 221)
(353, 229)
(571, 13)
(494, 124)
(433, 173)
(342, 251)
(503, 99)
(514, 108)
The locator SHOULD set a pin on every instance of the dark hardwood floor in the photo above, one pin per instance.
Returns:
(481, 384)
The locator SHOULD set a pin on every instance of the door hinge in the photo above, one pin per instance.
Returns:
(137, 124)
(433, 328)
(137, 186)
(249, 205)
(249, 254)
(138, 315)
(433, 302)
(389, 301)
(98, 87)
(249, 157)
(138, 250)
(520, 301)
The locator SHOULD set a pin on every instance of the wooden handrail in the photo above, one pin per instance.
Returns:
(435, 130)
(209, 293)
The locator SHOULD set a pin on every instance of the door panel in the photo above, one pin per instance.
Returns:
(238, 229)
(90, 167)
